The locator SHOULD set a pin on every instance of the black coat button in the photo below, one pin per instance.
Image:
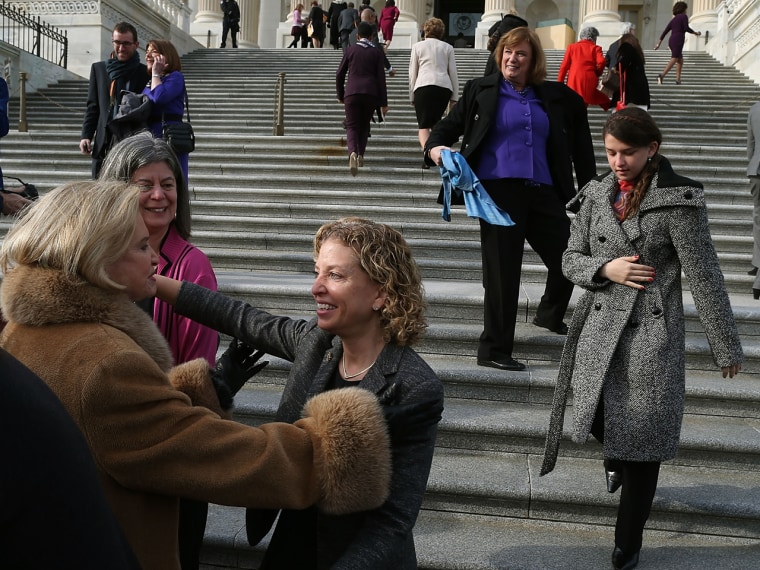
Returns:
(656, 311)
(602, 239)
(598, 306)
(688, 195)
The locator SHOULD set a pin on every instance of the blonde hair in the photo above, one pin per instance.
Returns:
(515, 36)
(382, 252)
(79, 228)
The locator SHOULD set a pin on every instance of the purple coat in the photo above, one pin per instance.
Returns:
(678, 27)
(365, 62)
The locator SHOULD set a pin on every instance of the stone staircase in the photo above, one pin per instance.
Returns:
(257, 201)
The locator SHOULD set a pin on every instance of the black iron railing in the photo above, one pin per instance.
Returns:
(33, 35)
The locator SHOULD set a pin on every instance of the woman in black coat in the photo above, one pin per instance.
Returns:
(631, 63)
(523, 136)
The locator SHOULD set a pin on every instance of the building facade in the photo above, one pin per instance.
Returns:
(730, 28)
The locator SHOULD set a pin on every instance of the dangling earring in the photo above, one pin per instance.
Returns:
(649, 159)
(375, 308)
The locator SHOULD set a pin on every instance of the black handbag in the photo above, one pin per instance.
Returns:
(180, 136)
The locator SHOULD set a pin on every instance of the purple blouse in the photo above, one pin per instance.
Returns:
(515, 146)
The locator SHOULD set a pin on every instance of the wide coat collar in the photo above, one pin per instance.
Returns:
(666, 190)
(35, 296)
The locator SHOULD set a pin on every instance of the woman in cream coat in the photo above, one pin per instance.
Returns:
(74, 265)
(433, 80)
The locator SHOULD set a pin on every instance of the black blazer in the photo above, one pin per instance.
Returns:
(569, 145)
(99, 105)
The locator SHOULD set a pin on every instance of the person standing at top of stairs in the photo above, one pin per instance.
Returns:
(230, 21)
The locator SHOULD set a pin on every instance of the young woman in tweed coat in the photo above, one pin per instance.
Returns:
(638, 226)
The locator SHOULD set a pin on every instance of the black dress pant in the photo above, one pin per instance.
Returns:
(636, 493)
(540, 218)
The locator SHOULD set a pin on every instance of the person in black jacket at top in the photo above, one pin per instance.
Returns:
(333, 18)
(523, 137)
(230, 22)
(122, 71)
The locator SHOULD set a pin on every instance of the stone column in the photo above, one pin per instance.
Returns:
(269, 20)
(495, 10)
(704, 19)
(208, 11)
(249, 23)
(407, 29)
(206, 26)
(604, 16)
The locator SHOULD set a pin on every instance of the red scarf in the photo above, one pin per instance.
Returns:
(624, 188)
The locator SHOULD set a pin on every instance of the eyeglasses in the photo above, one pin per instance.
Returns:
(119, 44)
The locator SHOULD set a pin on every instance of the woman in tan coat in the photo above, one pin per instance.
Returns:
(74, 265)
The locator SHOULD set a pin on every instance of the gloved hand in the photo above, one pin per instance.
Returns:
(234, 368)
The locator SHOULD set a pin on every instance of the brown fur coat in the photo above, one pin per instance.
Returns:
(107, 362)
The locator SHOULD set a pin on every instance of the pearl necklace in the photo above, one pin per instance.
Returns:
(522, 92)
(348, 376)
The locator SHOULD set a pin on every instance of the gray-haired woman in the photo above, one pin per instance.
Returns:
(581, 67)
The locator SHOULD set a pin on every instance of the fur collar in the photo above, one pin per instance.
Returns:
(36, 296)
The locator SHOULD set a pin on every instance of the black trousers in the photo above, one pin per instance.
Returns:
(636, 493)
(232, 31)
(540, 218)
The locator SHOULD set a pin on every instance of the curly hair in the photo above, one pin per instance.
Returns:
(382, 252)
(434, 28)
(589, 33)
(634, 126)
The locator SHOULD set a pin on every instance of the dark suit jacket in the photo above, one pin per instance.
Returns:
(367, 73)
(99, 105)
(569, 145)
(53, 513)
(412, 396)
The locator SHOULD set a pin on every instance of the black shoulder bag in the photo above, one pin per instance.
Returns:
(180, 136)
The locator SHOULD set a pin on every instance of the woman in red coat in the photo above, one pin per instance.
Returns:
(582, 65)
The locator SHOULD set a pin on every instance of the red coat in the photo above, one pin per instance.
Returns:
(582, 65)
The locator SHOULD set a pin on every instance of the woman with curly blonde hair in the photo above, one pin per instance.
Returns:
(369, 311)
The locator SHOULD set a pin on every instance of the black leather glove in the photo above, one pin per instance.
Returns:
(234, 368)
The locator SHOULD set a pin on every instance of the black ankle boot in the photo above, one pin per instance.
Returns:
(622, 562)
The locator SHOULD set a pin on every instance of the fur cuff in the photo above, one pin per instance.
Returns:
(194, 379)
(352, 450)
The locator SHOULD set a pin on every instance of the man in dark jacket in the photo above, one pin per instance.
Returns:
(122, 71)
(348, 20)
(230, 22)
(10, 202)
(53, 513)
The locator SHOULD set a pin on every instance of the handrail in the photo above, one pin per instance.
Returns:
(33, 35)
(278, 129)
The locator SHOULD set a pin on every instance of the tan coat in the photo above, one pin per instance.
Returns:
(108, 364)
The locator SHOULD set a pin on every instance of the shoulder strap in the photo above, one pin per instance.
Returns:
(187, 108)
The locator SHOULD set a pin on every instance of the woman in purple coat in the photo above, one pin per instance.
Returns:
(678, 26)
(166, 90)
(362, 93)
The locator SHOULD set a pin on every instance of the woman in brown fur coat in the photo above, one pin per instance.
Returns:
(74, 265)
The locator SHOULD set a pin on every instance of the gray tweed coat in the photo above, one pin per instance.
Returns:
(627, 345)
